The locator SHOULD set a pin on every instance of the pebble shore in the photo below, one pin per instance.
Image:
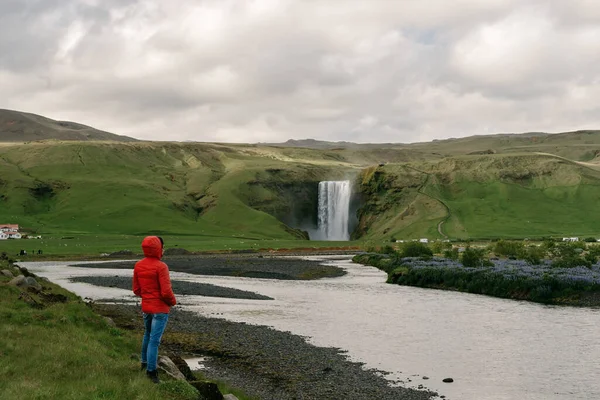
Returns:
(266, 363)
(240, 265)
(263, 362)
(179, 287)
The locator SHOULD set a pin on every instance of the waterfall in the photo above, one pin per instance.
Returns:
(334, 210)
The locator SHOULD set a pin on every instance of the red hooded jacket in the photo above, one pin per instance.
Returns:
(151, 279)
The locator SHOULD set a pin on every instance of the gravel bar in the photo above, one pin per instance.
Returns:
(266, 363)
(249, 266)
(179, 287)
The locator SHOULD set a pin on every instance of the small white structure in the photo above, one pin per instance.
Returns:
(570, 239)
(10, 230)
(423, 240)
(3, 235)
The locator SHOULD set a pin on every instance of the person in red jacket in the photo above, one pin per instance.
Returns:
(151, 282)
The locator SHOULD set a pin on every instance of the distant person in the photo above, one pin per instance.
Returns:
(152, 283)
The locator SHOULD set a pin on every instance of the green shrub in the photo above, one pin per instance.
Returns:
(509, 248)
(415, 249)
(591, 258)
(571, 261)
(564, 250)
(474, 258)
(440, 247)
(451, 254)
(590, 240)
(533, 254)
(548, 244)
(569, 255)
(398, 272)
(385, 264)
(594, 249)
(388, 250)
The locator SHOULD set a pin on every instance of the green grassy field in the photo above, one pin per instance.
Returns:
(229, 197)
(95, 245)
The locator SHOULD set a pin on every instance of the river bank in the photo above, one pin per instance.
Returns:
(266, 363)
(55, 347)
(511, 279)
(494, 349)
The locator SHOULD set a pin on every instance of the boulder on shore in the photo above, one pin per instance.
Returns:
(170, 368)
(32, 283)
(7, 273)
(17, 281)
(208, 390)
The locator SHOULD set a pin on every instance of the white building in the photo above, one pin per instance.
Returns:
(570, 239)
(9, 228)
(424, 240)
(9, 231)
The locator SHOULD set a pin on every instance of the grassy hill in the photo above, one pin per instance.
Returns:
(16, 126)
(166, 188)
(491, 196)
(489, 186)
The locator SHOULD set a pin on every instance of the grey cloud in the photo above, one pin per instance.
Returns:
(362, 70)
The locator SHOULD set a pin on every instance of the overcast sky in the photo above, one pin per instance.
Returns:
(271, 70)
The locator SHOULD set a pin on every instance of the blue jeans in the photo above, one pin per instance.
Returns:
(154, 325)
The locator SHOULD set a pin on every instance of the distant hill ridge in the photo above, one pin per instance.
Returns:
(16, 126)
(526, 136)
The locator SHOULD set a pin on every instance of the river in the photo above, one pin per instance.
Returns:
(494, 349)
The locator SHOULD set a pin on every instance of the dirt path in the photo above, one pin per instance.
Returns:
(420, 190)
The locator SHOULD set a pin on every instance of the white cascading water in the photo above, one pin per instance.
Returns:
(334, 210)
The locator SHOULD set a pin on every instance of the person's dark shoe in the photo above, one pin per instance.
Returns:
(153, 375)
(144, 366)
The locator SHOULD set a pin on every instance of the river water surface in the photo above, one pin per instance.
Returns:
(494, 349)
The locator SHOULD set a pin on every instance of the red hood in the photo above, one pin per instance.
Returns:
(152, 247)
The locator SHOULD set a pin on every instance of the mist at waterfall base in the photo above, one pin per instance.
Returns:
(333, 212)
